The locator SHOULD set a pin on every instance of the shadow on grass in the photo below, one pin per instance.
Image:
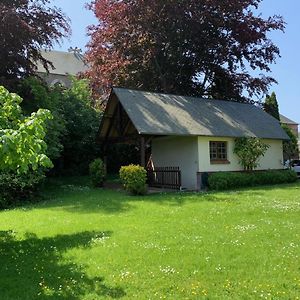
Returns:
(34, 268)
(84, 199)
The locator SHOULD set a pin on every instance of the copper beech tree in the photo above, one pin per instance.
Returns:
(26, 27)
(193, 47)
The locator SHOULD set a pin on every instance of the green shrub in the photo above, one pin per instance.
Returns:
(134, 179)
(71, 134)
(22, 145)
(231, 180)
(97, 172)
(249, 150)
(290, 147)
(18, 188)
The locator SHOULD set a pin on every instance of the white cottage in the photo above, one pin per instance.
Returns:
(188, 135)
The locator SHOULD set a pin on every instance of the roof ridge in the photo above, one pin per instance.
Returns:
(179, 95)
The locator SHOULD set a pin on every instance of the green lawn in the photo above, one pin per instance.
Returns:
(83, 243)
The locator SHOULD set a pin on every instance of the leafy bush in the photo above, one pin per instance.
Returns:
(37, 95)
(71, 133)
(134, 179)
(231, 180)
(23, 158)
(249, 150)
(16, 188)
(97, 172)
(290, 147)
(82, 123)
(22, 143)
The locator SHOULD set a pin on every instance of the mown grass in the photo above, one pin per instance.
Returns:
(83, 243)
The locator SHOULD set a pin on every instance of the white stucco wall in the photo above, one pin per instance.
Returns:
(273, 158)
(191, 155)
(179, 152)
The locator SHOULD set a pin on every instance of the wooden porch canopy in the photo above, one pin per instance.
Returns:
(117, 128)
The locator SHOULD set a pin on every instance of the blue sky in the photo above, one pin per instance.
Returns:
(285, 71)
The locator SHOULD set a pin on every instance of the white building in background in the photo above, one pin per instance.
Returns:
(290, 123)
(294, 126)
(65, 64)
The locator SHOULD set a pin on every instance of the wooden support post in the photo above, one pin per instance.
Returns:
(143, 152)
(119, 118)
(111, 123)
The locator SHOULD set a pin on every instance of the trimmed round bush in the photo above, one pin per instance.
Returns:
(231, 180)
(97, 172)
(134, 179)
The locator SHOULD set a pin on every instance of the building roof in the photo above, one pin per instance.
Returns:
(163, 114)
(65, 63)
(285, 120)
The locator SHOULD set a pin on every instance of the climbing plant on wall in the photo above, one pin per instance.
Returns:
(249, 150)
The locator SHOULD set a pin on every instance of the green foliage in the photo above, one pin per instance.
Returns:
(271, 106)
(97, 172)
(290, 148)
(72, 132)
(38, 95)
(232, 180)
(82, 124)
(16, 188)
(134, 179)
(23, 158)
(80, 90)
(249, 150)
(22, 143)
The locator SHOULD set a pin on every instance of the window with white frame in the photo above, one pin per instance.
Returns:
(218, 150)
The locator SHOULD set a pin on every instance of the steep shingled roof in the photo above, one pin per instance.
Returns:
(164, 114)
(286, 120)
(64, 63)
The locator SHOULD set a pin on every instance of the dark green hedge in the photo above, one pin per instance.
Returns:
(16, 189)
(231, 180)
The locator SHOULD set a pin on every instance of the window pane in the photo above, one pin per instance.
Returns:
(218, 150)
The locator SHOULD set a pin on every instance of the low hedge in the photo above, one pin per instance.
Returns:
(134, 179)
(231, 180)
(16, 189)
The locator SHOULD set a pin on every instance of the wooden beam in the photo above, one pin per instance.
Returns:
(143, 152)
(112, 120)
(133, 138)
(119, 119)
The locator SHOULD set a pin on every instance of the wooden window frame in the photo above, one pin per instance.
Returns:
(219, 149)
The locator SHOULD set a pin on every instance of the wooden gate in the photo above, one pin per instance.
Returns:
(165, 177)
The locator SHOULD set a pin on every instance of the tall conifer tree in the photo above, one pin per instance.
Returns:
(271, 106)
